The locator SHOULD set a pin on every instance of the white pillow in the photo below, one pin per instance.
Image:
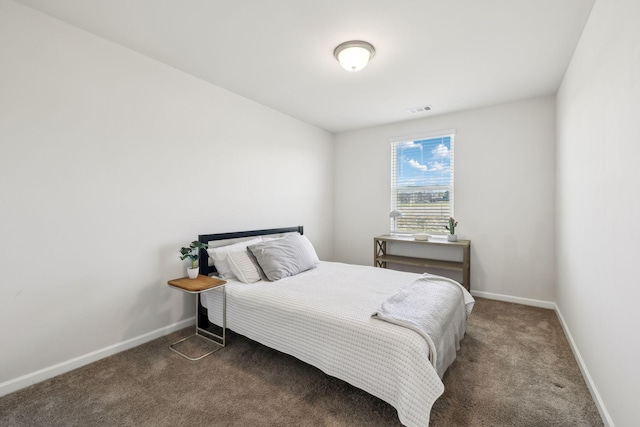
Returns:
(220, 254)
(242, 266)
(308, 246)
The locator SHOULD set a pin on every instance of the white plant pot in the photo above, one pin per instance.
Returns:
(452, 237)
(193, 272)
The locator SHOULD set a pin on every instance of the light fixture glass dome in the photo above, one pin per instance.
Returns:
(354, 55)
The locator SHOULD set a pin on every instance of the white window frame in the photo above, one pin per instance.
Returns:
(417, 215)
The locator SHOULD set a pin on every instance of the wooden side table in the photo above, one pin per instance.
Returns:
(196, 286)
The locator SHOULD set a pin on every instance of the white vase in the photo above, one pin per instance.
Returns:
(452, 237)
(193, 272)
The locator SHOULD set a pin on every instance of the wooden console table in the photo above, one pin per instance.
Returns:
(381, 257)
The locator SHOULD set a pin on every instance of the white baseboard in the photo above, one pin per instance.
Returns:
(517, 300)
(602, 409)
(77, 362)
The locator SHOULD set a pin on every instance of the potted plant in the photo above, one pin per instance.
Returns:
(193, 253)
(452, 237)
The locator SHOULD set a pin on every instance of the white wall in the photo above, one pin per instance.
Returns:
(504, 194)
(109, 162)
(599, 204)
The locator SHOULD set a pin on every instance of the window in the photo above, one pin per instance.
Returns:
(422, 183)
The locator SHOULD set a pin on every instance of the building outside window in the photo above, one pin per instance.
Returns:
(422, 183)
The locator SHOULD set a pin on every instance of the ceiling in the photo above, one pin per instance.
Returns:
(450, 54)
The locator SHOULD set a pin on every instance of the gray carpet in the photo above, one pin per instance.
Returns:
(515, 368)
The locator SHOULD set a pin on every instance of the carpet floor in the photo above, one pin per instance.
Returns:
(515, 368)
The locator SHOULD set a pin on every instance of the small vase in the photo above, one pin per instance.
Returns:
(452, 237)
(193, 272)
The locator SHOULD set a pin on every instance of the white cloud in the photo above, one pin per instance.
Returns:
(435, 166)
(417, 165)
(441, 151)
(410, 144)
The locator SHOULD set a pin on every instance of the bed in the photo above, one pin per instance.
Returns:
(325, 316)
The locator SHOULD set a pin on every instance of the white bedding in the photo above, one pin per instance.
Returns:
(323, 317)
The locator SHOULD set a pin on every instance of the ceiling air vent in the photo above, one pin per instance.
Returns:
(418, 110)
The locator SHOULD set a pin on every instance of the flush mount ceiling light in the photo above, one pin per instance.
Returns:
(354, 55)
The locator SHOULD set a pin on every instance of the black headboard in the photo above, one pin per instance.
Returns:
(207, 269)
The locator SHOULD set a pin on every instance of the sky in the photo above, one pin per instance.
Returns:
(425, 162)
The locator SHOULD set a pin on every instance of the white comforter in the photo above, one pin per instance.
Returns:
(323, 317)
